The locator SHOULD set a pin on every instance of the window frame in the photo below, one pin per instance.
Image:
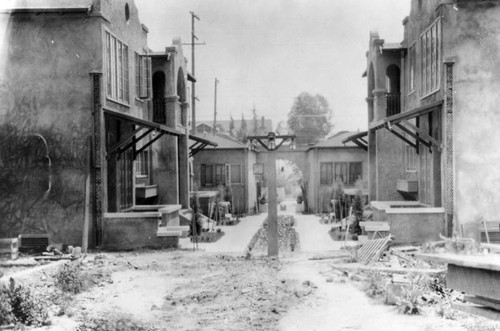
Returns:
(430, 58)
(412, 67)
(347, 166)
(143, 78)
(142, 163)
(117, 69)
(326, 173)
(240, 170)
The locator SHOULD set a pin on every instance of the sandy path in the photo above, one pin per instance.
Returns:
(235, 239)
(341, 306)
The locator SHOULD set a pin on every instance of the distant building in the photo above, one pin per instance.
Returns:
(433, 121)
(228, 168)
(332, 160)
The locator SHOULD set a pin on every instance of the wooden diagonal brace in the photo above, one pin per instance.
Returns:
(422, 134)
(124, 141)
(400, 136)
(158, 136)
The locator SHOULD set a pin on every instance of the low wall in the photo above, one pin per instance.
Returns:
(133, 230)
(410, 222)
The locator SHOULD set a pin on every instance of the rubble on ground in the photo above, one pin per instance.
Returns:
(400, 276)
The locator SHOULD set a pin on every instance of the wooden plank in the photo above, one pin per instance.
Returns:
(474, 281)
(488, 262)
(374, 228)
(491, 247)
(477, 310)
(494, 304)
(169, 233)
(361, 267)
(372, 249)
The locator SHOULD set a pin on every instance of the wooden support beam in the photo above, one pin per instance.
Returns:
(158, 136)
(400, 136)
(422, 134)
(360, 144)
(124, 141)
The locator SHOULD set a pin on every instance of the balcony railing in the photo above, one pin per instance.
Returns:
(393, 103)
(159, 111)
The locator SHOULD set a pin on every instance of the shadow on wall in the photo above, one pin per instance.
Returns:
(42, 174)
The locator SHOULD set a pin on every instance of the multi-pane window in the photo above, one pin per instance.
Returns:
(411, 70)
(117, 69)
(411, 158)
(344, 172)
(326, 173)
(348, 172)
(207, 175)
(142, 163)
(355, 172)
(142, 76)
(221, 174)
(430, 55)
(340, 174)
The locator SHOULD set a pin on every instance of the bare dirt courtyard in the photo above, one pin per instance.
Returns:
(220, 286)
(186, 290)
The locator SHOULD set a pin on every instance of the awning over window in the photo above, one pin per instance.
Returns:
(399, 125)
(144, 129)
(358, 139)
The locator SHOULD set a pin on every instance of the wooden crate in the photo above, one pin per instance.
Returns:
(9, 247)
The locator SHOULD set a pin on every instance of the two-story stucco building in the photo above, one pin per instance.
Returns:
(433, 119)
(84, 100)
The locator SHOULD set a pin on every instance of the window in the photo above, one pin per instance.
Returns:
(117, 69)
(355, 172)
(142, 163)
(411, 69)
(221, 174)
(235, 173)
(207, 175)
(430, 55)
(142, 76)
(341, 172)
(348, 172)
(326, 173)
(410, 158)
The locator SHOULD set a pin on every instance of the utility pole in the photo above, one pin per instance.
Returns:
(193, 84)
(215, 106)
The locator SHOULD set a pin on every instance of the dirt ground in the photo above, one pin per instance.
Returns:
(187, 290)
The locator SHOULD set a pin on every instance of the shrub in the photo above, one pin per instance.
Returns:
(6, 314)
(22, 305)
(71, 278)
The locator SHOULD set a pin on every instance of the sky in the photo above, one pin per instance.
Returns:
(264, 53)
